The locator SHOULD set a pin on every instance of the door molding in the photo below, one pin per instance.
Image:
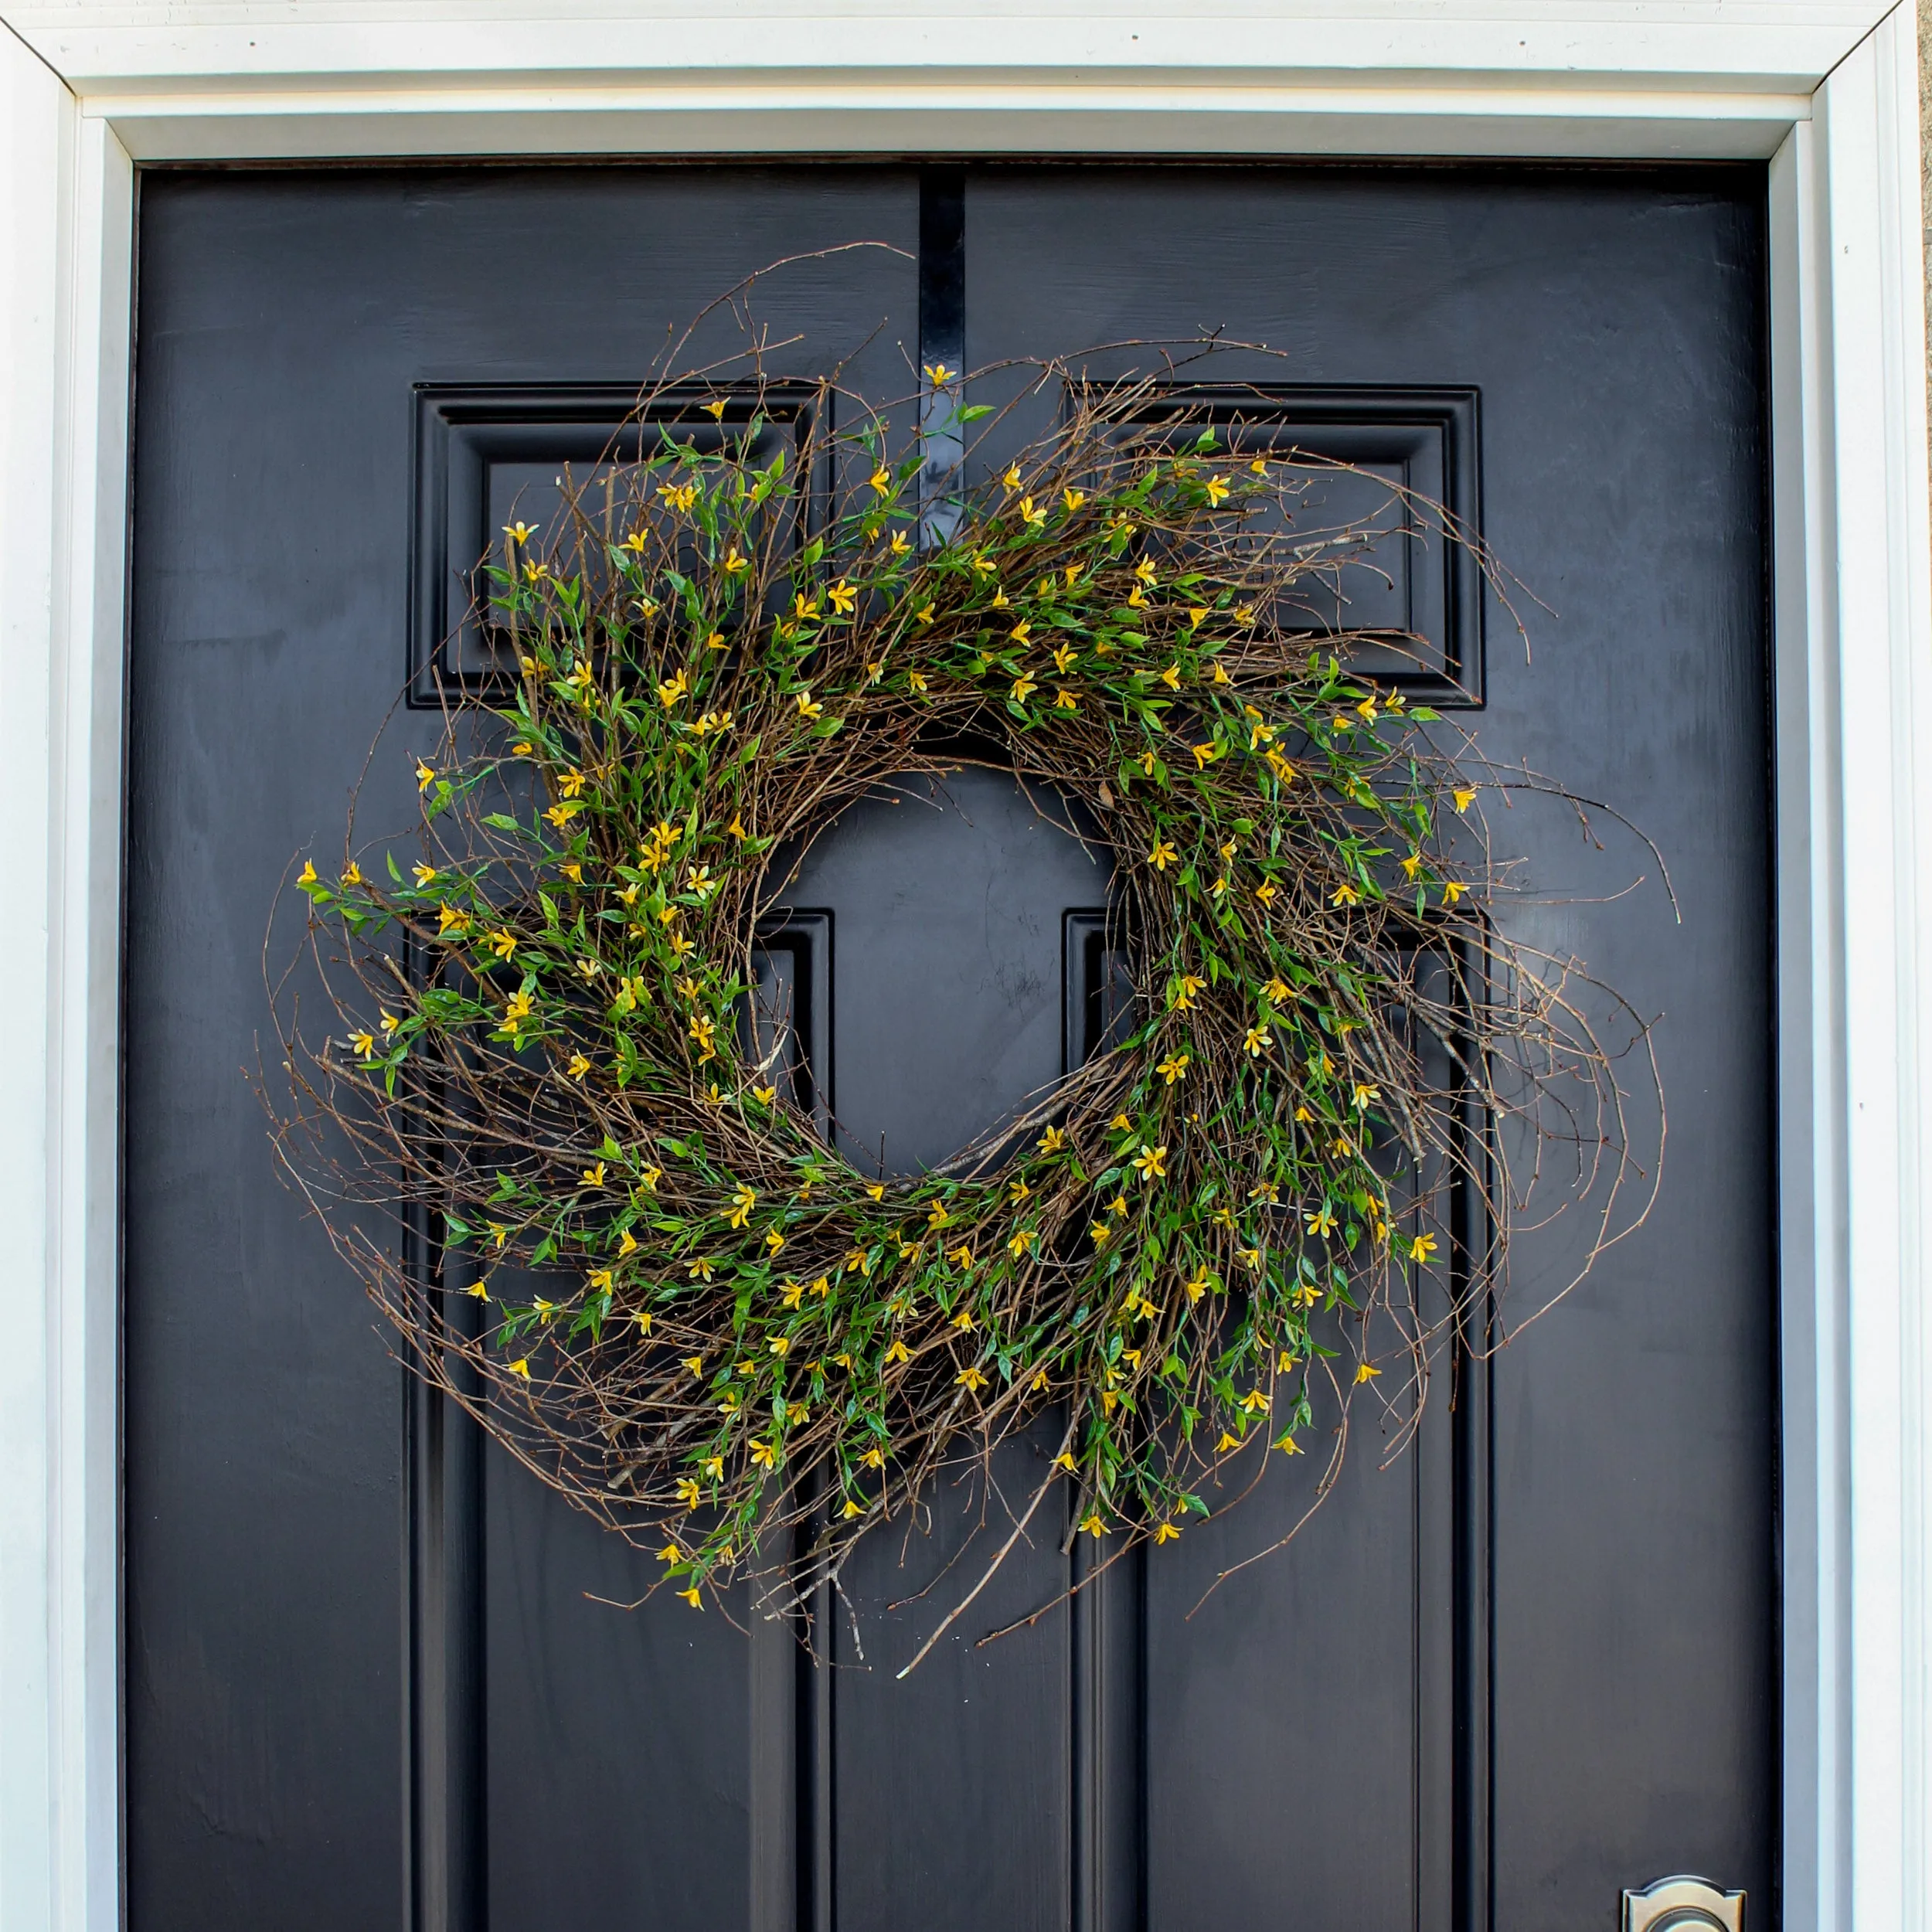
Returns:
(1824, 90)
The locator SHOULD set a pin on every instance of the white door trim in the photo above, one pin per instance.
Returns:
(1825, 89)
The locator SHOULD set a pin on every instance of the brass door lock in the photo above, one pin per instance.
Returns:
(1683, 1904)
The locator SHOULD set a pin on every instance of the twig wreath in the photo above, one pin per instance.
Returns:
(653, 1277)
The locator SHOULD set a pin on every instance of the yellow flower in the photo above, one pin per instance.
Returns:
(733, 563)
(939, 374)
(516, 1012)
(808, 707)
(774, 1240)
(1171, 677)
(1365, 1373)
(1064, 700)
(899, 1351)
(961, 1256)
(1151, 1162)
(1173, 1068)
(1065, 657)
(521, 1367)
(1367, 708)
(1345, 894)
(1279, 766)
(1258, 1038)
(1205, 755)
(1422, 1247)
(973, 1378)
(1266, 891)
(692, 1597)
(363, 1043)
(1167, 1533)
(1094, 1524)
(1321, 1222)
(1101, 1233)
(560, 815)
(1023, 688)
(1184, 989)
(1226, 1443)
(900, 544)
(519, 531)
(351, 874)
(1216, 490)
(924, 614)
(1277, 992)
(851, 1509)
(1365, 1095)
(936, 1216)
(1452, 890)
(843, 598)
(1032, 514)
(1200, 1284)
(1287, 1445)
(701, 1270)
(642, 1317)
(743, 1202)
(1022, 1242)
(1464, 797)
(1144, 570)
(1163, 855)
(881, 480)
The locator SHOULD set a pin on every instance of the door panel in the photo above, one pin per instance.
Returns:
(375, 1674)
(1612, 322)
(290, 1762)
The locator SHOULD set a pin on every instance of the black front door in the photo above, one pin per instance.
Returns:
(373, 1673)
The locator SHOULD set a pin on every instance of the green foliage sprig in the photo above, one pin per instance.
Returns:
(657, 1281)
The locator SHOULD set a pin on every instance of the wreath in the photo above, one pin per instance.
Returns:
(641, 1263)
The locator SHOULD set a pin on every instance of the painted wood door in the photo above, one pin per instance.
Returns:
(1529, 1663)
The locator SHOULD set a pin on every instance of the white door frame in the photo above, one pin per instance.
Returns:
(1824, 89)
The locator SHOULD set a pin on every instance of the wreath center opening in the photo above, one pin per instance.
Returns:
(950, 959)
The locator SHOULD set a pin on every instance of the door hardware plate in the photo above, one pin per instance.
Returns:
(1683, 1904)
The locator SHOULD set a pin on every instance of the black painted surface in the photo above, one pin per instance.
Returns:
(364, 1684)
